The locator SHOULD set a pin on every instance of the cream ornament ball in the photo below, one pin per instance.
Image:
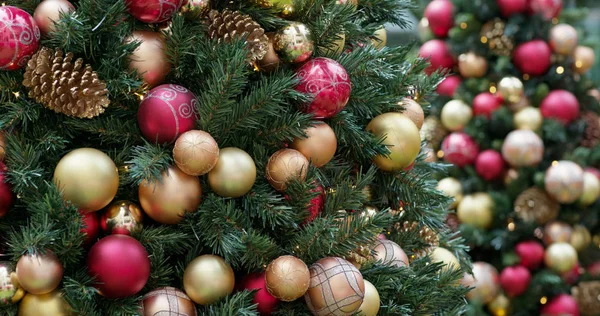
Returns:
(452, 188)
(563, 39)
(455, 115)
(528, 118)
(476, 209)
(591, 189)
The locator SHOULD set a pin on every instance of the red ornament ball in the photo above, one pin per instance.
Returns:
(485, 103)
(91, 226)
(460, 149)
(489, 164)
(120, 266)
(153, 11)
(315, 207)
(560, 305)
(531, 254)
(560, 105)
(6, 195)
(515, 280)
(166, 112)
(448, 86)
(510, 7)
(533, 57)
(439, 55)
(548, 9)
(328, 83)
(19, 37)
(439, 15)
(266, 302)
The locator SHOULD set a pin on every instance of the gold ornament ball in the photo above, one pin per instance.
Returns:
(584, 59)
(287, 278)
(196, 152)
(293, 43)
(414, 111)
(471, 65)
(319, 146)
(580, 238)
(591, 189)
(500, 306)
(338, 45)
(557, 232)
(401, 136)
(195, 9)
(167, 301)
(336, 288)
(389, 253)
(39, 274)
(234, 174)
(523, 148)
(485, 281)
(49, 304)
(286, 165)
(564, 181)
(453, 188)
(207, 279)
(48, 12)
(563, 39)
(10, 290)
(122, 217)
(271, 60)
(380, 38)
(446, 257)
(287, 6)
(477, 210)
(167, 201)
(149, 59)
(561, 257)
(371, 302)
(455, 115)
(528, 118)
(2, 145)
(88, 178)
(511, 89)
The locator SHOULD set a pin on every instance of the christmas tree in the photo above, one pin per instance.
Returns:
(519, 120)
(218, 158)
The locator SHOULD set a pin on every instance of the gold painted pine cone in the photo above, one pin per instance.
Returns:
(228, 25)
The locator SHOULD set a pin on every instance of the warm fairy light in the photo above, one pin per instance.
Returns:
(511, 226)
(525, 77)
(493, 89)
(543, 300)
(484, 39)
(463, 25)
(560, 70)
(440, 154)
(554, 21)
(554, 163)
(578, 64)
(16, 93)
(140, 96)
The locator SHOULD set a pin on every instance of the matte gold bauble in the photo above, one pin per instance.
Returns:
(476, 209)
(167, 201)
(528, 118)
(319, 146)
(10, 290)
(149, 59)
(584, 59)
(485, 281)
(287, 278)
(455, 115)
(446, 257)
(39, 274)
(557, 232)
(294, 43)
(48, 12)
(286, 165)
(122, 217)
(414, 111)
(167, 301)
(195, 9)
(560, 257)
(234, 174)
(564, 181)
(271, 60)
(389, 253)
(207, 279)
(580, 238)
(511, 89)
(380, 39)
(371, 302)
(562, 39)
(452, 188)
(196, 152)
(401, 136)
(471, 65)
(88, 178)
(591, 189)
(2, 145)
(50, 304)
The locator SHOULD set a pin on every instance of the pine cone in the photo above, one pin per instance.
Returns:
(427, 235)
(587, 295)
(591, 137)
(360, 256)
(534, 204)
(229, 25)
(64, 86)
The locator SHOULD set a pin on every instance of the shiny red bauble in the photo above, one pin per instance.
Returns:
(166, 112)
(6, 195)
(531, 254)
(328, 83)
(548, 9)
(120, 266)
(510, 7)
(440, 17)
(315, 207)
(560, 105)
(533, 57)
(489, 165)
(91, 227)
(460, 149)
(266, 302)
(19, 37)
(485, 103)
(448, 86)
(560, 305)
(439, 55)
(153, 11)
(515, 280)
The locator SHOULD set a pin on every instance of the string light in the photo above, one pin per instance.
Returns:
(543, 300)
(554, 163)
(484, 39)
(463, 25)
(440, 154)
(560, 70)
(526, 77)
(493, 89)
(17, 94)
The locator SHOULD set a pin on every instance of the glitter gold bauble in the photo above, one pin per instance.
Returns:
(88, 178)
(492, 34)
(39, 274)
(453, 188)
(122, 217)
(591, 189)
(196, 152)
(584, 59)
(195, 9)
(500, 306)
(336, 288)
(320, 145)
(380, 38)
(371, 302)
(580, 238)
(534, 205)
(167, 301)
(286, 165)
(234, 174)
(10, 290)
(476, 209)
(389, 253)
(586, 294)
(523, 148)
(287, 278)
(455, 115)
(271, 60)
(528, 118)
(49, 304)
(167, 200)
(562, 38)
(446, 257)
(564, 181)
(485, 281)
(48, 12)
(401, 137)
(471, 65)
(414, 111)
(561, 257)
(293, 43)
(511, 89)
(207, 279)
(555, 232)
(149, 59)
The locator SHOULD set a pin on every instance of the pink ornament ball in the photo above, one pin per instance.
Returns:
(485, 103)
(153, 11)
(459, 149)
(489, 165)
(6, 195)
(560, 105)
(531, 254)
(440, 17)
(328, 83)
(533, 57)
(266, 302)
(439, 55)
(510, 7)
(448, 86)
(561, 305)
(515, 280)
(548, 9)
(166, 112)
(19, 37)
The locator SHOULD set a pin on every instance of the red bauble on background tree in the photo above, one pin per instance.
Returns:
(6, 195)
(510, 7)
(531, 254)
(533, 57)
(515, 280)
(561, 305)
(560, 105)
(440, 17)
(266, 302)
(549, 9)
(460, 149)
(448, 86)
(19, 37)
(489, 164)
(91, 227)
(153, 11)
(485, 103)
(439, 55)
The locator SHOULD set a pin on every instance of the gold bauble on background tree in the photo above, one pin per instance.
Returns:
(584, 59)
(591, 189)
(320, 145)
(207, 279)
(286, 165)
(528, 118)
(50, 304)
(511, 89)
(557, 231)
(471, 65)
(476, 209)
(11, 291)
(455, 115)
(564, 181)
(196, 152)
(500, 306)
(486, 281)
(234, 174)
(562, 38)
(580, 238)
(453, 188)
(560, 257)
(401, 138)
(287, 278)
